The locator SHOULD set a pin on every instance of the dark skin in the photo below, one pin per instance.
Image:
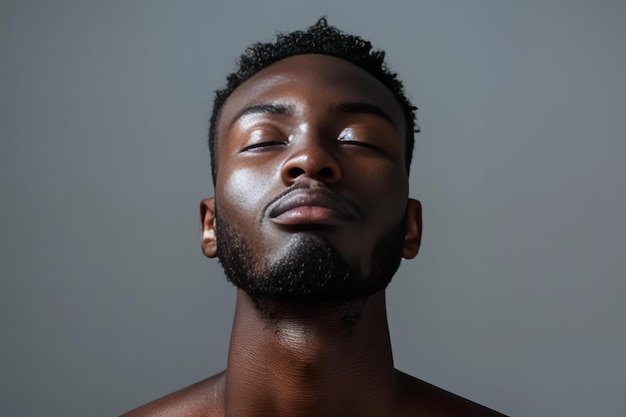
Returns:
(316, 122)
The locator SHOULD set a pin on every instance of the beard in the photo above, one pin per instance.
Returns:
(310, 270)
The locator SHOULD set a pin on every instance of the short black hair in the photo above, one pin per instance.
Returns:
(321, 38)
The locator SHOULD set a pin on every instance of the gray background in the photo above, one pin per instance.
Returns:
(517, 299)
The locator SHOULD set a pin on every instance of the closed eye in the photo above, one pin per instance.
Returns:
(262, 145)
(359, 143)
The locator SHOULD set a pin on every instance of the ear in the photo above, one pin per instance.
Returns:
(207, 222)
(413, 235)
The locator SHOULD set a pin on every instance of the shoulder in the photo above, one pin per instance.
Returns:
(202, 399)
(421, 398)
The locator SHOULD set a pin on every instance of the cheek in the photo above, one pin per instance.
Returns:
(385, 187)
(383, 195)
(243, 193)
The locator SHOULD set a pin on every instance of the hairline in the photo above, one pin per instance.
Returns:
(321, 39)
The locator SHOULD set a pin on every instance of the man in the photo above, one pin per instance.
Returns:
(311, 143)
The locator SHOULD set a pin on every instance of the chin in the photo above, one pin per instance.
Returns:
(309, 270)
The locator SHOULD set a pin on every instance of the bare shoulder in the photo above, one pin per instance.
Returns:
(202, 399)
(421, 398)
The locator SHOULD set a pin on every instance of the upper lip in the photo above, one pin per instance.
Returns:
(343, 208)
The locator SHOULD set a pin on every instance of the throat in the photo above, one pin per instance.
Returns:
(299, 319)
(299, 361)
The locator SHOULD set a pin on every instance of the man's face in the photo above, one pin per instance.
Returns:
(311, 177)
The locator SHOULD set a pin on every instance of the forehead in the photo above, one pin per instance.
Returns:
(311, 81)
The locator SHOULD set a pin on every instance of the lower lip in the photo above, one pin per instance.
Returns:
(308, 215)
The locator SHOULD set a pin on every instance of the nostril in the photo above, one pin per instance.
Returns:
(326, 173)
(313, 163)
(295, 172)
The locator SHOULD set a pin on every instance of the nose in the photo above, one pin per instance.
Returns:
(311, 160)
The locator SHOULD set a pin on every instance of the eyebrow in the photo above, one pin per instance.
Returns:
(288, 110)
(362, 107)
(264, 108)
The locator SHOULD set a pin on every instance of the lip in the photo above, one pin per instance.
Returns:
(312, 206)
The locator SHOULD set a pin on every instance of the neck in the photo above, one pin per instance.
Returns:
(310, 360)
